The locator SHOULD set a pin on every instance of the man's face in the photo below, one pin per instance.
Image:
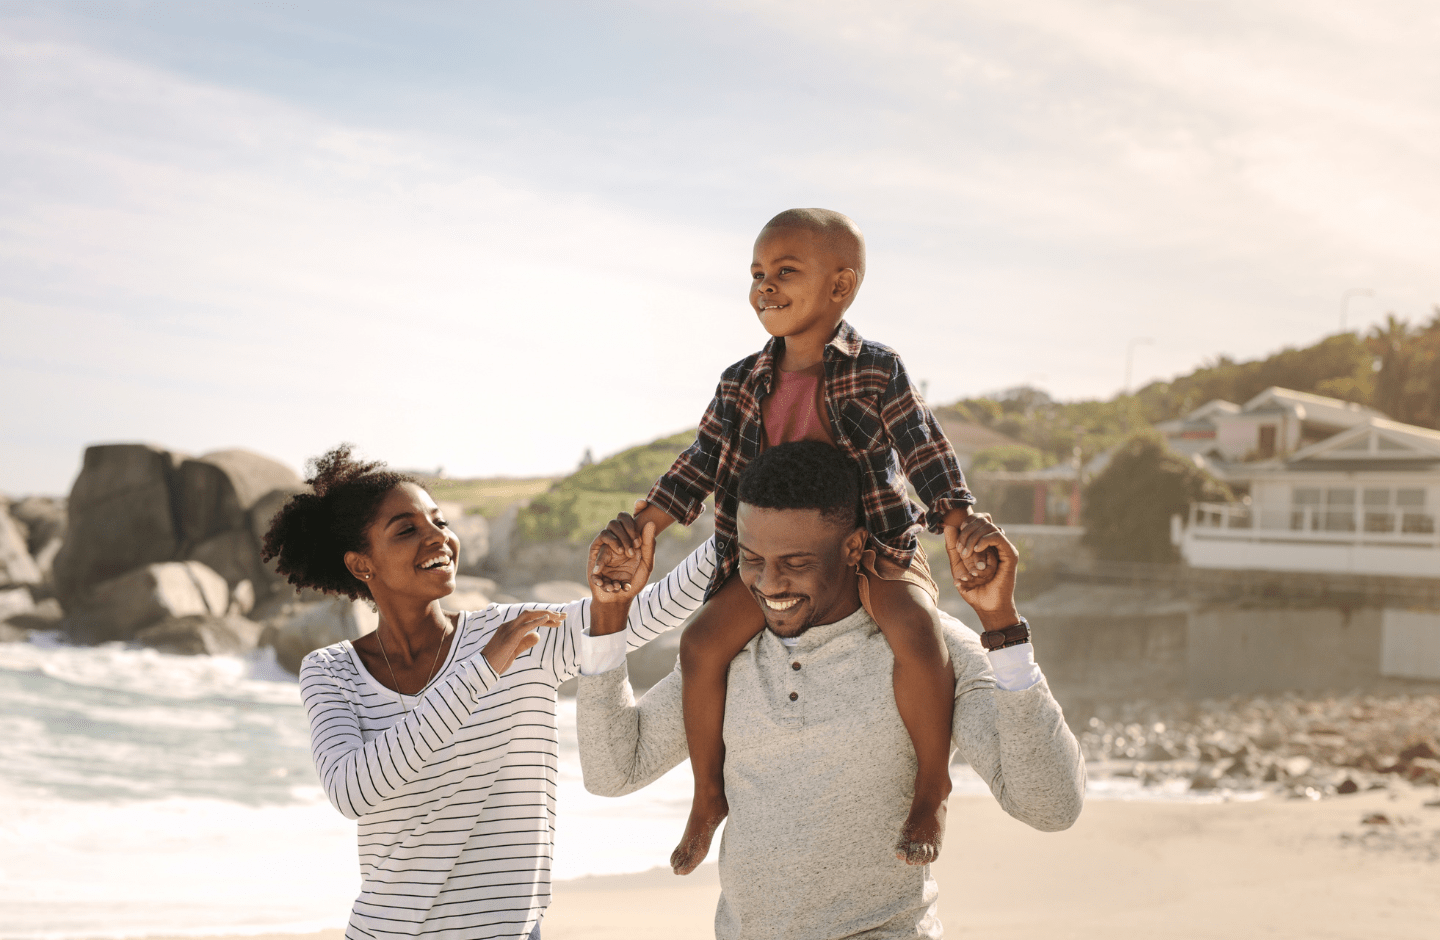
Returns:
(799, 566)
(792, 282)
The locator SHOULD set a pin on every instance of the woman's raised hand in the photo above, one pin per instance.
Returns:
(516, 636)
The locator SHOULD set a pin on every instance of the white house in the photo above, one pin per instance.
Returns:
(1274, 423)
(1361, 501)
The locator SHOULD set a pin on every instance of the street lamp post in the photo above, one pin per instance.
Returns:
(1345, 301)
(1130, 358)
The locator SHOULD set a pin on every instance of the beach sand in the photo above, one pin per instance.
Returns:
(1272, 868)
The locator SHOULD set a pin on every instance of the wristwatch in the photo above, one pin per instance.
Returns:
(1006, 637)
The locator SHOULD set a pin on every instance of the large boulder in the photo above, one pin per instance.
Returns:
(305, 627)
(44, 520)
(202, 633)
(15, 601)
(471, 593)
(46, 615)
(558, 592)
(121, 517)
(16, 565)
(119, 608)
(221, 497)
(473, 530)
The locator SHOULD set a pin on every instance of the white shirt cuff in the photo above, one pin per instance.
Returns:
(1015, 668)
(600, 654)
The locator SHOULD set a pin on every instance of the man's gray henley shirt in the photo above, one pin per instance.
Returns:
(819, 772)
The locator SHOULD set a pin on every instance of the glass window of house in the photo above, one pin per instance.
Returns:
(1378, 517)
(1340, 509)
(1304, 508)
(1414, 518)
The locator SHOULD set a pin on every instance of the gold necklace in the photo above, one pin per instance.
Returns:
(440, 646)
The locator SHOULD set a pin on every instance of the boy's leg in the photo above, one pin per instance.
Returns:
(720, 630)
(925, 696)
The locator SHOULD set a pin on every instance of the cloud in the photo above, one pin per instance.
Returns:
(227, 269)
(489, 243)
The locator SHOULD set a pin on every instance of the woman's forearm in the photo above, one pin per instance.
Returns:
(359, 776)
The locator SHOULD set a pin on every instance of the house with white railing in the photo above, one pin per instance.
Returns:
(1360, 499)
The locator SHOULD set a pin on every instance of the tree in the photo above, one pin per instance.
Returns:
(1127, 507)
(1407, 384)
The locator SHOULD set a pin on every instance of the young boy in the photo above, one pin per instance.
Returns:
(818, 380)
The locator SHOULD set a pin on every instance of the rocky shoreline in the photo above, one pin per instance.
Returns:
(1300, 746)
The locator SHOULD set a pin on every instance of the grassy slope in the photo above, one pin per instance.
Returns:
(488, 496)
(578, 506)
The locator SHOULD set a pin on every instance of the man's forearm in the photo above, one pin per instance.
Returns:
(625, 745)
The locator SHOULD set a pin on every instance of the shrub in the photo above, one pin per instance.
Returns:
(1127, 508)
(1008, 457)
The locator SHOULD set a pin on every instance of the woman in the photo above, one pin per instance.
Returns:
(437, 731)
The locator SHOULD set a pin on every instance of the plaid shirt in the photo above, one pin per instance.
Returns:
(874, 413)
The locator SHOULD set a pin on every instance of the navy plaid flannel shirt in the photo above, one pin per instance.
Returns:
(874, 413)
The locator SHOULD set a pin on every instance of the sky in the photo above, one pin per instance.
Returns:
(487, 236)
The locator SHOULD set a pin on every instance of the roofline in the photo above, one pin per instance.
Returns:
(1429, 437)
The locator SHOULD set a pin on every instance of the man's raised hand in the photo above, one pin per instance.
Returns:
(970, 567)
(995, 597)
(621, 559)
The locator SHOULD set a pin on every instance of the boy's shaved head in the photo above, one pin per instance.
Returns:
(838, 232)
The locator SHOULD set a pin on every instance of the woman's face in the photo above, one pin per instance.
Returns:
(412, 552)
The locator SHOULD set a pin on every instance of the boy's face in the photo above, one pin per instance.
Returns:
(797, 286)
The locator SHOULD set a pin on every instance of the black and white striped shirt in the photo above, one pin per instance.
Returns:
(456, 801)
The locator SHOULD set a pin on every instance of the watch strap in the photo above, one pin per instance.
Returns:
(1007, 637)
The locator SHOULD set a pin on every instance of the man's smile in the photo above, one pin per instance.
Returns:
(780, 603)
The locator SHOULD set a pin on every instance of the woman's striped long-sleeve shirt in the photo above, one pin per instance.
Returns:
(456, 801)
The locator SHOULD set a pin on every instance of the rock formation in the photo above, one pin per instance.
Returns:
(119, 608)
(17, 568)
(152, 546)
(302, 627)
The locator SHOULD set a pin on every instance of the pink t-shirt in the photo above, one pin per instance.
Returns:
(795, 408)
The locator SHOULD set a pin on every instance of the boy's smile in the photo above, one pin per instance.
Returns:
(798, 289)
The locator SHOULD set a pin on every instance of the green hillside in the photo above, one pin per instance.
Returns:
(578, 506)
(1395, 368)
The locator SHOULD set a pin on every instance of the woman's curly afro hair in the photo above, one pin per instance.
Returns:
(312, 532)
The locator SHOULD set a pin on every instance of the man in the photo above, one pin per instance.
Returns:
(819, 769)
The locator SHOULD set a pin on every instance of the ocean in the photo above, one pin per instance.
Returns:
(143, 793)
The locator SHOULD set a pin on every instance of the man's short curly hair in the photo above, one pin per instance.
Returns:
(804, 475)
(312, 532)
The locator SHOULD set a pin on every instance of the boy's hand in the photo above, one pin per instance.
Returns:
(617, 574)
(970, 566)
(993, 600)
(622, 536)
